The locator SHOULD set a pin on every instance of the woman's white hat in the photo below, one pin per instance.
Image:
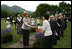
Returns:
(8, 18)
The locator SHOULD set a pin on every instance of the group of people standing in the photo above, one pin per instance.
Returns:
(58, 25)
(53, 29)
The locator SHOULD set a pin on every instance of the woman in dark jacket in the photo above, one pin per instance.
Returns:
(18, 25)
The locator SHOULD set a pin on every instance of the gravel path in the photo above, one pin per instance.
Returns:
(20, 44)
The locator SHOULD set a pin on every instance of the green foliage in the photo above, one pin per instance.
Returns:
(5, 13)
(63, 8)
(5, 34)
(6, 37)
(41, 9)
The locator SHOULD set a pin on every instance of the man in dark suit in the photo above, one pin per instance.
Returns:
(65, 22)
(62, 25)
(58, 21)
(54, 28)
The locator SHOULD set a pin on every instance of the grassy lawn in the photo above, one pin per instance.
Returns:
(63, 43)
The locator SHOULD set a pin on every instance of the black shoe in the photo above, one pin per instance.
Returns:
(26, 46)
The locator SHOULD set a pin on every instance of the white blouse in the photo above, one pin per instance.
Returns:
(19, 19)
(46, 28)
(26, 24)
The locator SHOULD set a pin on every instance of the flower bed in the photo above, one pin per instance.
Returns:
(6, 36)
(39, 40)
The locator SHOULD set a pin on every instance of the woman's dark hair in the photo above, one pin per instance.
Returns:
(17, 14)
(46, 16)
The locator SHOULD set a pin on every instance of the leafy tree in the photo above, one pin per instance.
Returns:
(63, 8)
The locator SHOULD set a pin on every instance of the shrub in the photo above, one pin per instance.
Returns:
(6, 36)
(39, 40)
(39, 35)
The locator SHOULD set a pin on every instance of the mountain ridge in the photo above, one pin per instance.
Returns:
(14, 9)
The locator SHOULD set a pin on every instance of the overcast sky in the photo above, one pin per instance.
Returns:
(30, 5)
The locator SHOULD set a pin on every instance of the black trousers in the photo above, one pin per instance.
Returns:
(65, 26)
(62, 32)
(54, 40)
(48, 42)
(25, 34)
(58, 32)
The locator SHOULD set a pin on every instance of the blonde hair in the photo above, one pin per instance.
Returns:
(25, 12)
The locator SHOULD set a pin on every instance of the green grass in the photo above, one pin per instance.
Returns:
(63, 43)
